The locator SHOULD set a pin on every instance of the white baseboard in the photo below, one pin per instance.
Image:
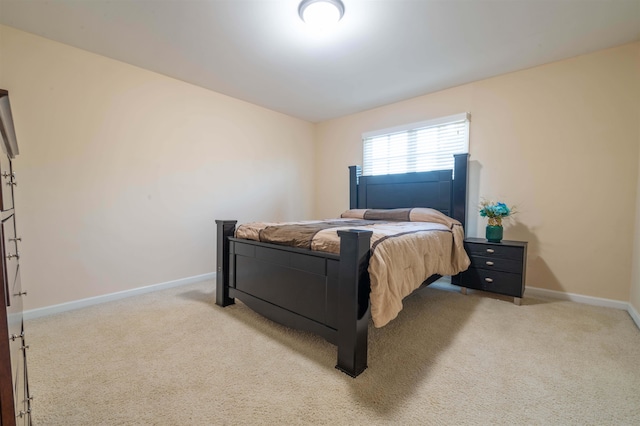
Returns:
(83, 303)
(587, 300)
(445, 284)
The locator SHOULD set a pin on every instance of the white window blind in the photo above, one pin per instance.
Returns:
(417, 147)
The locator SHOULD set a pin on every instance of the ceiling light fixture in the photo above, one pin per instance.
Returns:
(321, 14)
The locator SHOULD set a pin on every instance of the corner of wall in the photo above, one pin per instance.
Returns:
(635, 316)
(634, 293)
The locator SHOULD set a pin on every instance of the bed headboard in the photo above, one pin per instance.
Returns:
(443, 190)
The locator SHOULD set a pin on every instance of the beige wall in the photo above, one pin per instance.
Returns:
(122, 171)
(560, 141)
(634, 297)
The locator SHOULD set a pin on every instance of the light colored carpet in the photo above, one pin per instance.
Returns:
(174, 358)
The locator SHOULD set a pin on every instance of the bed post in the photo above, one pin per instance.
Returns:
(225, 230)
(354, 174)
(459, 191)
(353, 302)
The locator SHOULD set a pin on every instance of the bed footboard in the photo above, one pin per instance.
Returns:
(312, 291)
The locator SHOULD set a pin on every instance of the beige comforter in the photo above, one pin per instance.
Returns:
(403, 254)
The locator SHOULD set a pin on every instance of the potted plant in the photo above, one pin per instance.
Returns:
(495, 211)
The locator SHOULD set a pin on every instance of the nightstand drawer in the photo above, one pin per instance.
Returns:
(494, 250)
(498, 282)
(496, 264)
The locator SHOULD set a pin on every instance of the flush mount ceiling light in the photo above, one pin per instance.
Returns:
(321, 14)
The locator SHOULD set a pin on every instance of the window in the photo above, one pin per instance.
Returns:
(416, 147)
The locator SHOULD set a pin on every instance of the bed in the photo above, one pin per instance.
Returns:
(329, 293)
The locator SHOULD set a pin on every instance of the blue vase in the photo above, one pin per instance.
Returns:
(494, 233)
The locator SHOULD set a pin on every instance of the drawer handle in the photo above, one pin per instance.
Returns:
(489, 280)
(11, 256)
(22, 293)
(490, 251)
(489, 263)
(16, 336)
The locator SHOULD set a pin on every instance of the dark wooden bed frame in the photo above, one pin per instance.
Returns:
(325, 293)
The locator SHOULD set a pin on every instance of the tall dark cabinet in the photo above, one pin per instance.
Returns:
(15, 399)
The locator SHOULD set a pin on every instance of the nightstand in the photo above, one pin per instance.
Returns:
(495, 267)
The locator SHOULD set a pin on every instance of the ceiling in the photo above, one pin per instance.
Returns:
(382, 51)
